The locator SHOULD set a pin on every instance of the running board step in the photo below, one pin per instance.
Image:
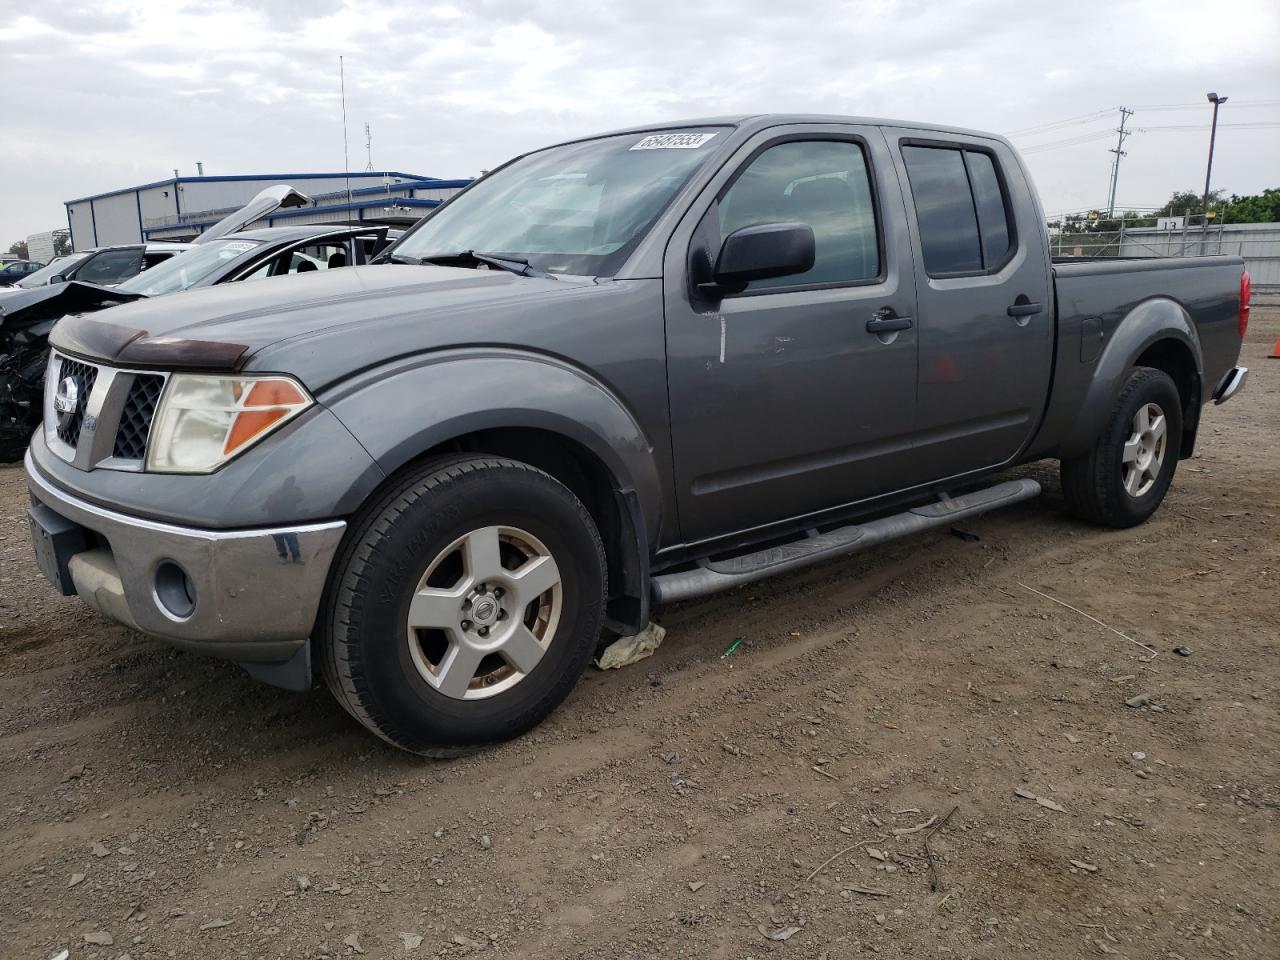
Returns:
(712, 576)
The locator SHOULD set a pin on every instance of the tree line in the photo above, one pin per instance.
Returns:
(61, 247)
(1263, 207)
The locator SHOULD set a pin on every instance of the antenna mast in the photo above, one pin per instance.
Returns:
(346, 160)
(368, 148)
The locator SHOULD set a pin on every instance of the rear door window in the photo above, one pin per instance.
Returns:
(961, 210)
(112, 266)
(303, 258)
(988, 200)
(944, 211)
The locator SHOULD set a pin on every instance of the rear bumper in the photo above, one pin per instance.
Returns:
(248, 595)
(1231, 384)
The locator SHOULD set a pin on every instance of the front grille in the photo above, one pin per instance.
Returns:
(123, 401)
(85, 375)
(135, 420)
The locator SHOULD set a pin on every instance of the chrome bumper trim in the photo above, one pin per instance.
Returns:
(256, 591)
(1231, 384)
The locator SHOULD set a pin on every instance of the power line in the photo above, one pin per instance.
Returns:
(1055, 125)
(1200, 105)
(1070, 121)
(1158, 128)
(1255, 124)
(1071, 142)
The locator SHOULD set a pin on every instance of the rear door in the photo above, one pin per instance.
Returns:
(783, 402)
(984, 309)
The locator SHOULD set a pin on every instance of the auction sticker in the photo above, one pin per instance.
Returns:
(673, 141)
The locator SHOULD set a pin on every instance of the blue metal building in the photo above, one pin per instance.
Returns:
(181, 207)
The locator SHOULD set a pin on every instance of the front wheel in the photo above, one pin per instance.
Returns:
(1124, 478)
(464, 607)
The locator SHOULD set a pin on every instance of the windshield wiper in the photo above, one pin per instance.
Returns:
(397, 258)
(517, 265)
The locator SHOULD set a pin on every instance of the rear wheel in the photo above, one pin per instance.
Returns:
(465, 606)
(1124, 478)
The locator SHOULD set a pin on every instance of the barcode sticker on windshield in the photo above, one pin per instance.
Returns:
(673, 141)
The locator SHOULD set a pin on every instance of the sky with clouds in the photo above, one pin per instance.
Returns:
(108, 94)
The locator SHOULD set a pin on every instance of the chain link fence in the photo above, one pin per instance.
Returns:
(1257, 243)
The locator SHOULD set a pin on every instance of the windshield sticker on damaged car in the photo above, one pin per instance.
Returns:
(240, 246)
(673, 141)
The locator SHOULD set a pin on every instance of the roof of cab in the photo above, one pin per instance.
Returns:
(151, 246)
(301, 232)
(749, 123)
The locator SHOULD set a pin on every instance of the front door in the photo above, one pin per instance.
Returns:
(984, 299)
(783, 402)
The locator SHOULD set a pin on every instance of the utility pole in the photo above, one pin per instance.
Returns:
(1217, 101)
(1125, 114)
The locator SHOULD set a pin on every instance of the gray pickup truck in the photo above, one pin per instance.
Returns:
(613, 373)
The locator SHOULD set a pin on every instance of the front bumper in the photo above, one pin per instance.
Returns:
(249, 595)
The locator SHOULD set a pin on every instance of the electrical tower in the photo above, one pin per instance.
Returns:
(368, 148)
(1118, 150)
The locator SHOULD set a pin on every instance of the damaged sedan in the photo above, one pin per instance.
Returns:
(27, 314)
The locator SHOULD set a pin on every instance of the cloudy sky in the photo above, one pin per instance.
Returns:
(109, 94)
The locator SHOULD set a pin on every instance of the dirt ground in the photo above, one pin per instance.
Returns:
(764, 804)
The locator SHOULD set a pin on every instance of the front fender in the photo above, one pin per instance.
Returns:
(402, 409)
(1150, 322)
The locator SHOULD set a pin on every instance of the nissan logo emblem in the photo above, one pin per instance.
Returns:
(66, 399)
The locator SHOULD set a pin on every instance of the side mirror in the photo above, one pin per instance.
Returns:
(761, 252)
(57, 278)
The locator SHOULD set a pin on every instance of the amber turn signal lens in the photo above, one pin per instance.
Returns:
(267, 403)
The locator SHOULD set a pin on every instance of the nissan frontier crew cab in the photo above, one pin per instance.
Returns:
(613, 373)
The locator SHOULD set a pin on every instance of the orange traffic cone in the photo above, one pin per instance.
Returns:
(1275, 351)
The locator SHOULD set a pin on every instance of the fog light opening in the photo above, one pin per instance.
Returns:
(175, 591)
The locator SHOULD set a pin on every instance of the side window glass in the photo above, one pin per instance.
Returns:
(262, 272)
(988, 198)
(318, 256)
(944, 210)
(111, 266)
(822, 183)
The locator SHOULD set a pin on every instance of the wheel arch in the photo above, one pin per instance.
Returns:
(1156, 333)
(552, 416)
(1174, 357)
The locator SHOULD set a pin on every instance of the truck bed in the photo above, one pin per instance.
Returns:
(1094, 296)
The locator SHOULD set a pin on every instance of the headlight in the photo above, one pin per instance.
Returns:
(202, 421)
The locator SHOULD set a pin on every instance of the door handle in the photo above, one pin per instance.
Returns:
(886, 320)
(1022, 307)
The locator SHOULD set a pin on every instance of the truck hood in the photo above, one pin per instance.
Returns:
(224, 327)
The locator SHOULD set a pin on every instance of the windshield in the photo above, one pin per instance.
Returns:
(60, 265)
(187, 268)
(580, 208)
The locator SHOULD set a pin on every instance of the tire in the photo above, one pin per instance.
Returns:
(1112, 484)
(488, 532)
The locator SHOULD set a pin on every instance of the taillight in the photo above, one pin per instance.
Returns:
(1246, 289)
